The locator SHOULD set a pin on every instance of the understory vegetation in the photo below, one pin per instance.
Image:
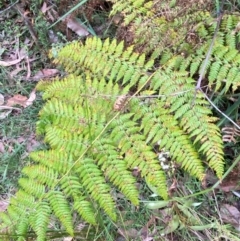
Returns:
(120, 120)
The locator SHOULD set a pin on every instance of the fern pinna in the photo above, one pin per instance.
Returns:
(101, 122)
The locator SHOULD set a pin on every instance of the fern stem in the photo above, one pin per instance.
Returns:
(69, 12)
(229, 111)
(213, 105)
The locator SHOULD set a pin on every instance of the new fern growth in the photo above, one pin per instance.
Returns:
(94, 145)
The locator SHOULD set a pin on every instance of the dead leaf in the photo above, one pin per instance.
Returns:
(173, 186)
(52, 15)
(22, 100)
(31, 98)
(45, 8)
(28, 68)
(1, 99)
(32, 145)
(9, 63)
(76, 27)
(231, 182)
(17, 100)
(145, 229)
(230, 215)
(117, 19)
(128, 233)
(45, 73)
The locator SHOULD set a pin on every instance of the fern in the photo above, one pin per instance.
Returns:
(101, 121)
(94, 145)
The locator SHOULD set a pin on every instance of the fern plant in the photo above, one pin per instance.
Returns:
(114, 111)
(99, 129)
(156, 25)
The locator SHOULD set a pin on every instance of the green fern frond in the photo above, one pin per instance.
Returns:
(99, 125)
(112, 164)
(61, 209)
(92, 179)
(126, 134)
(41, 220)
(42, 174)
(99, 54)
(131, 8)
(32, 187)
(85, 210)
(160, 126)
(48, 159)
(194, 117)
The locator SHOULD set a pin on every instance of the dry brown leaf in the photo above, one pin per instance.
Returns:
(45, 8)
(32, 145)
(145, 229)
(52, 15)
(128, 233)
(28, 68)
(22, 100)
(20, 139)
(15, 58)
(31, 98)
(148, 239)
(76, 27)
(45, 73)
(230, 215)
(9, 63)
(231, 182)
(17, 100)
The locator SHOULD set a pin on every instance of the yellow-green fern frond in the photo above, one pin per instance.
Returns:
(40, 220)
(92, 179)
(131, 8)
(101, 121)
(191, 111)
(126, 135)
(61, 209)
(123, 66)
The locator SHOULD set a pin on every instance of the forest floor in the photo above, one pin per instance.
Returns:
(28, 30)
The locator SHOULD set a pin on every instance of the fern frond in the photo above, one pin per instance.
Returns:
(92, 179)
(85, 210)
(48, 159)
(99, 125)
(42, 174)
(160, 126)
(112, 164)
(126, 134)
(61, 209)
(92, 53)
(131, 8)
(32, 187)
(41, 220)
